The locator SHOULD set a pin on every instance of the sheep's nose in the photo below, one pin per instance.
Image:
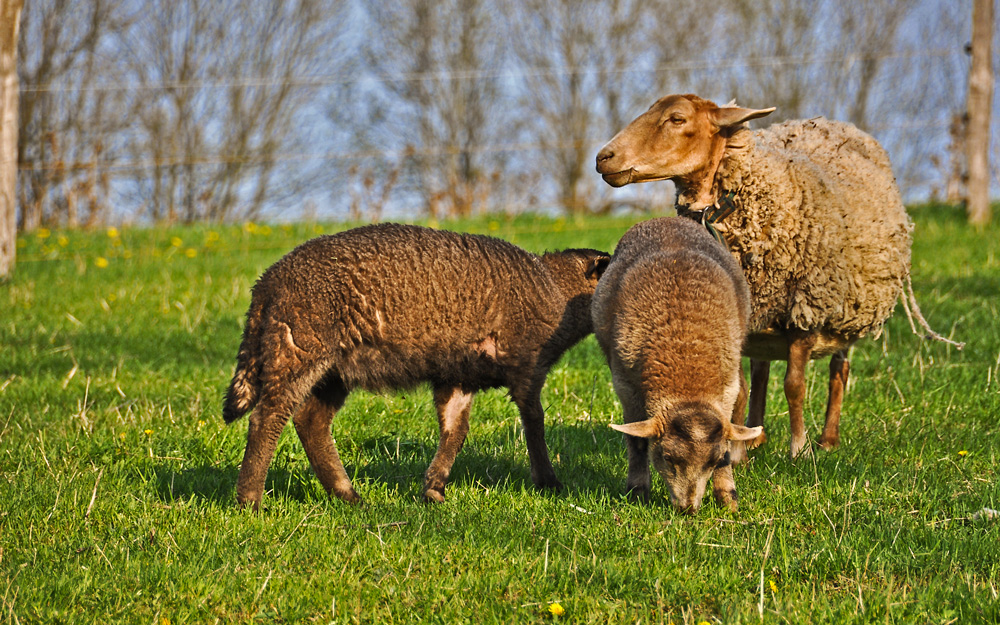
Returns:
(605, 154)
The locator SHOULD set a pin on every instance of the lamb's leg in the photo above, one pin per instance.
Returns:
(638, 482)
(760, 371)
(738, 449)
(799, 349)
(840, 367)
(312, 422)
(266, 422)
(453, 421)
(724, 488)
(529, 403)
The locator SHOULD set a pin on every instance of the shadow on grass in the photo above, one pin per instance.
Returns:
(397, 465)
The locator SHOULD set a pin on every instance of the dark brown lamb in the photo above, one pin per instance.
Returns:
(389, 306)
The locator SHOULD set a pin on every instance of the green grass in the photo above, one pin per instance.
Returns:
(118, 475)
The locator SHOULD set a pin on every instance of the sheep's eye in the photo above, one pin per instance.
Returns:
(677, 120)
(724, 462)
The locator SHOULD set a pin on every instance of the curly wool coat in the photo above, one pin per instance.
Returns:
(819, 228)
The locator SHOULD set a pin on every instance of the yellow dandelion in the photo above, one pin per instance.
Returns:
(164, 621)
(128, 254)
(212, 236)
(265, 230)
(494, 225)
(704, 623)
(556, 610)
(121, 435)
(964, 452)
(147, 432)
(62, 241)
(772, 585)
(101, 262)
(43, 233)
(318, 229)
(176, 241)
(112, 233)
(190, 252)
(250, 227)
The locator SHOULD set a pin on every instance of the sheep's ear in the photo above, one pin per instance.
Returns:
(743, 433)
(733, 115)
(596, 267)
(649, 428)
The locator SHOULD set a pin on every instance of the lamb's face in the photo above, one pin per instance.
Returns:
(678, 138)
(691, 448)
(687, 446)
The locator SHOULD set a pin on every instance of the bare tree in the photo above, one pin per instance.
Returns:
(439, 66)
(68, 126)
(222, 88)
(10, 20)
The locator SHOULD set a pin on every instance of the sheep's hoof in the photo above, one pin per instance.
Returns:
(829, 444)
(800, 449)
(433, 496)
(756, 442)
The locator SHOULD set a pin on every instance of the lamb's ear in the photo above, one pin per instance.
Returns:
(649, 428)
(733, 115)
(596, 267)
(743, 433)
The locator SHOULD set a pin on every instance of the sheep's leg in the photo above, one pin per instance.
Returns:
(760, 372)
(266, 422)
(529, 403)
(800, 346)
(312, 422)
(738, 449)
(724, 488)
(453, 421)
(840, 367)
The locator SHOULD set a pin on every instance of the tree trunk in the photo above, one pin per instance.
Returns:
(980, 97)
(10, 21)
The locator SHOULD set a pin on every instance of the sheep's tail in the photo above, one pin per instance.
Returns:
(244, 388)
(910, 300)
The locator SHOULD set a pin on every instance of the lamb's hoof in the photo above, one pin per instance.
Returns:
(349, 496)
(727, 499)
(253, 506)
(433, 496)
(549, 483)
(637, 494)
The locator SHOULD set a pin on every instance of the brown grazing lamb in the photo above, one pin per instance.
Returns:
(671, 315)
(811, 210)
(388, 306)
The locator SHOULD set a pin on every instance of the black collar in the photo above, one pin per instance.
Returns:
(711, 215)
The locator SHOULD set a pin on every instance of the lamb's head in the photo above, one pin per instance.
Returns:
(687, 445)
(680, 137)
(576, 271)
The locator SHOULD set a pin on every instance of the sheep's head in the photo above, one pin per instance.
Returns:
(687, 446)
(680, 137)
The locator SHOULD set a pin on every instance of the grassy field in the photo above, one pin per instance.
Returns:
(117, 497)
